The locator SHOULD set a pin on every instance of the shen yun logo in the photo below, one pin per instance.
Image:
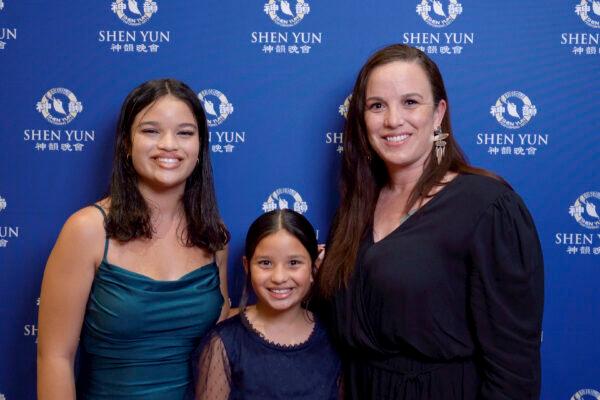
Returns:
(286, 13)
(59, 106)
(216, 106)
(439, 14)
(281, 198)
(589, 15)
(31, 330)
(6, 34)
(337, 138)
(7, 232)
(586, 394)
(129, 11)
(440, 17)
(513, 110)
(282, 14)
(134, 13)
(585, 210)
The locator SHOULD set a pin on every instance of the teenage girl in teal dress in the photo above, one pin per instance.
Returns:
(138, 278)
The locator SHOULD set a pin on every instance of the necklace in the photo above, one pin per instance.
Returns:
(403, 219)
(407, 216)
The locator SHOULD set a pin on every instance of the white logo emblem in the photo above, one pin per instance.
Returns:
(129, 12)
(441, 18)
(53, 103)
(280, 199)
(343, 109)
(215, 116)
(584, 394)
(518, 106)
(281, 13)
(585, 210)
(2, 203)
(583, 10)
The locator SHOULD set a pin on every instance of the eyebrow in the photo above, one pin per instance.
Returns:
(183, 125)
(263, 256)
(413, 94)
(373, 98)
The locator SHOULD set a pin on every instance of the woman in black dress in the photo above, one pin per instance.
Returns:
(433, 276)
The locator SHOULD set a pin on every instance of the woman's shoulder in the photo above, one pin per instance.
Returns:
(494, 198)
(482, 189)
(81, 241)
(86, 224)
(485, 182)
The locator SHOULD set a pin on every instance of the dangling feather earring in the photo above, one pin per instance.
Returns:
(440, 143)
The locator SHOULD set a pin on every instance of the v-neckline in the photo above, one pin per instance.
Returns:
(407, 218)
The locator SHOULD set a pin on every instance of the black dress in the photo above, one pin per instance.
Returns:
(236, 362)
(448, 305)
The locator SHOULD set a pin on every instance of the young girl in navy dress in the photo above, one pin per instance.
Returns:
(275, 349)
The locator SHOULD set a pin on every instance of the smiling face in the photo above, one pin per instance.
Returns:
(165, 144)
(280, 272)
(400, 115)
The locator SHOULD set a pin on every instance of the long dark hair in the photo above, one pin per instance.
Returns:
(272, 222)
(129, 215)
(363, 173)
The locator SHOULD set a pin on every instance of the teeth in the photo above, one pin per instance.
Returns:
(280, 291)
(167, 160)
(396, 139)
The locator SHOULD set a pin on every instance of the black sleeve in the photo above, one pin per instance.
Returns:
(213, 374)
(506, 299)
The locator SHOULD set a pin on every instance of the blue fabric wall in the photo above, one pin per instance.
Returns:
(524, 86)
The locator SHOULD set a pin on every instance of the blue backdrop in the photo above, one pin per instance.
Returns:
(274, 76)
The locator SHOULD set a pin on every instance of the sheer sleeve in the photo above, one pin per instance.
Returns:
(213, 375)
(506, 298)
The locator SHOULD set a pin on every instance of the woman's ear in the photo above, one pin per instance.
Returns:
(439, 112)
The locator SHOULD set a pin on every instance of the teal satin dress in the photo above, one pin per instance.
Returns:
(139, 333)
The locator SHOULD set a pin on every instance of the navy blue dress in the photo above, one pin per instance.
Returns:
(236, 362)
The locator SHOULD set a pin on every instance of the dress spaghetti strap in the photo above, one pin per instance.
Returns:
(106, 241)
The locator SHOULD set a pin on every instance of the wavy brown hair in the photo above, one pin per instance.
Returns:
(129, 215)
(363, 173)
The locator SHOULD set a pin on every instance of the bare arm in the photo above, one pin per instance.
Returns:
(65, 289)
(221, 259)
